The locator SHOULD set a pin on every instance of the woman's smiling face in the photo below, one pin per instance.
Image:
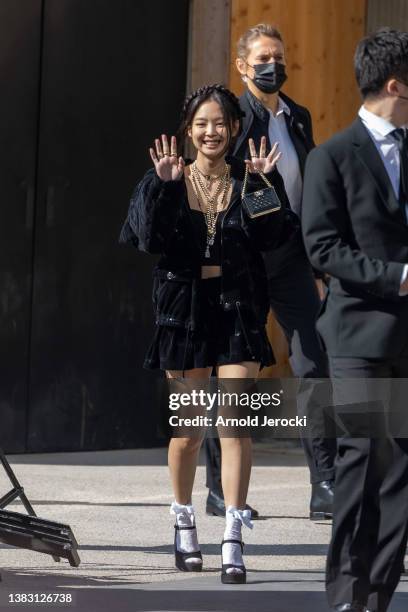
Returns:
(208, 130)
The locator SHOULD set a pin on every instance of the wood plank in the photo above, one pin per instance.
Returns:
(320, 38)
(209, 53)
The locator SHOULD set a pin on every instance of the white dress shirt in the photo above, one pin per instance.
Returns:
(288, 164)
(380, 131)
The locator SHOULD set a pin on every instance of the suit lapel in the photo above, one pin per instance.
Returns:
(366, 151)
(297, 136)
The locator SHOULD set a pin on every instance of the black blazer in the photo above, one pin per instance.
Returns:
(255, 125)
(354, 231)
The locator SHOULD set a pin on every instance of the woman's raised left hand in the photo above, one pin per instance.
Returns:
(262, 162)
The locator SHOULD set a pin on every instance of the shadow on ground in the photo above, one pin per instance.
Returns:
(264, 592)
(277, 454)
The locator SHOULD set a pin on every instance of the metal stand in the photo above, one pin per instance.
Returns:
(31, 532)
(16, 491)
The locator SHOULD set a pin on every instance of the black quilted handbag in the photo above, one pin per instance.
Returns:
(261, 202)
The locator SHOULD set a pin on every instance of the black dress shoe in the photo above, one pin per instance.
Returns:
(349, 607)
(215, 506)
(321, 502)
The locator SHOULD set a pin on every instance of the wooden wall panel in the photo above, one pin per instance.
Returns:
(320, 38)
(209, 53)
(280, 350)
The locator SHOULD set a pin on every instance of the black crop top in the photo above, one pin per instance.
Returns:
(200, 227)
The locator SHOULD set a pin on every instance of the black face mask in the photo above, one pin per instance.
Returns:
(269, 78)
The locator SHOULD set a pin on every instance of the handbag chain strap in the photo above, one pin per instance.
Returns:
(244, 184)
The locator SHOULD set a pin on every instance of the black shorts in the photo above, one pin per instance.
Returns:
(219, 337)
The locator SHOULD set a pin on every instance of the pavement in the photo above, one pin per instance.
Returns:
(116, 503)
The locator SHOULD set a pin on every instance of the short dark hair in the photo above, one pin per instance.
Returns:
(380, 56)
(228, 102)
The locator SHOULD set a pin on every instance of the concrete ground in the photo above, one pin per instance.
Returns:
(117, 505)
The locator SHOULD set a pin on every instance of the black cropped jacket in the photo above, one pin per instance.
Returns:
(159, 222)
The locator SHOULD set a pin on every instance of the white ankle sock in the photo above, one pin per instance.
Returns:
(186, 539)
(231, 553)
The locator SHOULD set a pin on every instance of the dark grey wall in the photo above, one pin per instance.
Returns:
(393, 13)
(89, 85)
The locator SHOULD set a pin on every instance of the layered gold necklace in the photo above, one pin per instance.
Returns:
(208, 201)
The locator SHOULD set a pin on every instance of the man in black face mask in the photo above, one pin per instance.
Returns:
(294, 291)
(269, 77)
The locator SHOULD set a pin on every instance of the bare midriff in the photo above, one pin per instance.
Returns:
(206, 271)
(210, 271)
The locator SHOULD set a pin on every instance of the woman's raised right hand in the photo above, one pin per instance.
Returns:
(166, 163)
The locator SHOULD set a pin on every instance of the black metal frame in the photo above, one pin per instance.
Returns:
(31, 532)
(17, 491)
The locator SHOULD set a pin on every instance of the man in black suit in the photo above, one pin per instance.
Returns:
(354, 219)
(293, 289)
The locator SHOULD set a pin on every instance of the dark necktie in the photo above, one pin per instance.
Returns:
(401, 137)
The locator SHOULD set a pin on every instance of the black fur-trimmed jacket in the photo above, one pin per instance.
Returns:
(159, 222)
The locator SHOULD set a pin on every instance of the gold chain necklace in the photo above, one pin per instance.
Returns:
(210, 178)
(210, 210)
(198, 176)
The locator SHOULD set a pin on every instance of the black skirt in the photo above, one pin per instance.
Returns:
(220, 338)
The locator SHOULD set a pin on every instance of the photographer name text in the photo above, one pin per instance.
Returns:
(248, 421)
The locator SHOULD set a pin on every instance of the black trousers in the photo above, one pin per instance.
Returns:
(295, 302)
(370, 523)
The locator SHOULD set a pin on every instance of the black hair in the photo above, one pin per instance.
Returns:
(228, 102)
(380, 56)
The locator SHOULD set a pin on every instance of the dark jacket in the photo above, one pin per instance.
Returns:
(354, 230)
(159, 221)
(255, 125)
(256, 121)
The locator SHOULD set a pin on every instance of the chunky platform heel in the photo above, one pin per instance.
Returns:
(184, 559)
(189, 558)
(233, 577)
(234, 519)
